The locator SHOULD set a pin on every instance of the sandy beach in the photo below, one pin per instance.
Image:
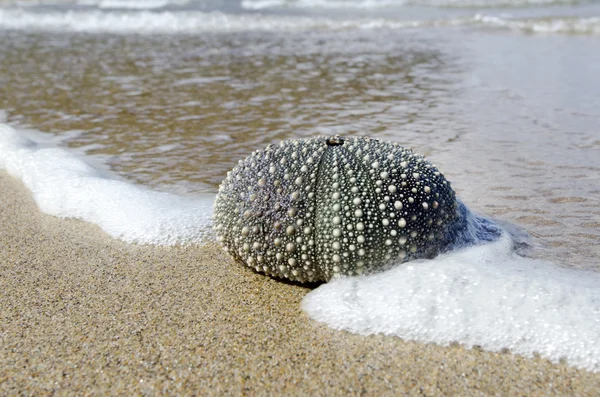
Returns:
(84, 314)
(166, 96)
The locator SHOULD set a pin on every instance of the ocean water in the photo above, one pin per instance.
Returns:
(128, 114)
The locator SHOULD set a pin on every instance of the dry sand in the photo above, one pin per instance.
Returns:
(83, 314)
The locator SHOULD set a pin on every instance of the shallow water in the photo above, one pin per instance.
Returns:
(510, 118)
(166, 107)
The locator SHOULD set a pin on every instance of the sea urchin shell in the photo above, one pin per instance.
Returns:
(310, 209)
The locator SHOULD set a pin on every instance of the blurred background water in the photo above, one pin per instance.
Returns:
(502, 96)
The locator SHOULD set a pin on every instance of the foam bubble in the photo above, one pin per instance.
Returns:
(484, 295)
(65, 185)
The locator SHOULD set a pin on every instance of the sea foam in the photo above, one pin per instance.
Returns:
(64, 184)
(178, 22)
(484, 295)
(367, 4)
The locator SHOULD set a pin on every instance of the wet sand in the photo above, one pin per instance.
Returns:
(83, 314)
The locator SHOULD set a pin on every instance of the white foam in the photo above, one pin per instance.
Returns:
(567, 25)
(345, 4)
(127, 4)
(370, 4)
(65, 185)
(485, 295)
(149, 22)
(174, 22)
(132, 4)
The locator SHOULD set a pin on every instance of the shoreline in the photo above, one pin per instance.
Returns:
(83, 313)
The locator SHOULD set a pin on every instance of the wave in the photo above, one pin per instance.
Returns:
(293, 4)
(570, 25)
(148, 22)
(374, 4)
(66, 185)
(484, 296)
(131, 4)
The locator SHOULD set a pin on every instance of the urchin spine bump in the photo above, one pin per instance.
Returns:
(311, 209)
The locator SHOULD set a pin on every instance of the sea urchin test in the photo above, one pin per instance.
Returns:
(312, 209)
